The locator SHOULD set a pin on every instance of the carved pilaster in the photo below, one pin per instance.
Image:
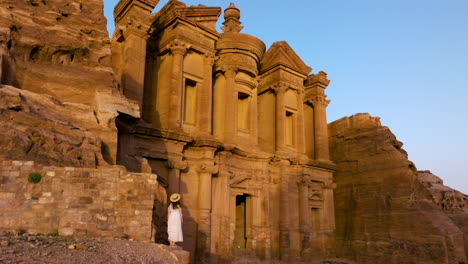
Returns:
(230, 114)
(178, 49)
(280, 90)
(205, 95)
(175, 165)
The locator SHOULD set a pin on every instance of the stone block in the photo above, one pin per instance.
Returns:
(7, 196)
(46, 200)
(47, 194)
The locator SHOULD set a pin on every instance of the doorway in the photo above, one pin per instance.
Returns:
(243, 216)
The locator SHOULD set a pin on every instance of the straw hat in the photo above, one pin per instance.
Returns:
(175, 197)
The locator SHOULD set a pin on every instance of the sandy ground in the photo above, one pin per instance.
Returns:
(38, 249)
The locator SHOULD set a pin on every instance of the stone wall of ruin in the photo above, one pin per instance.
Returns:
(102, 202)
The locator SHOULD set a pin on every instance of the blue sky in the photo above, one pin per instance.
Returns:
(405, 61)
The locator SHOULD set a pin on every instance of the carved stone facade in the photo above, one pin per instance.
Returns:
(239, 131)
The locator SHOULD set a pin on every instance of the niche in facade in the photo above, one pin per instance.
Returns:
(189, 101)
(243, 111)
(290, 128)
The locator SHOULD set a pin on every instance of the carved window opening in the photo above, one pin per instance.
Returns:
(243, 111)
(290, 128)
(189, 101)
(315, 215)
(243, 223)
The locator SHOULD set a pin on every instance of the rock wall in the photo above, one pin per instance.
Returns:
(452, 202)
(107, 202)
(384, 214)
(61, 48)
(42, 129)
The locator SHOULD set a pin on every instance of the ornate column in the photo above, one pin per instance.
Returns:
(254, 113)
(230, 114)
(300, 136)
(284, 211)
(206, 172)
(178, 50)
(175, 164)
(321, 130)
(280, 90)
(205, 95)
(315, 89)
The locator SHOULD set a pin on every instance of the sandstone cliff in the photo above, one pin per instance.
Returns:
(39, 128)
(384, 213)
(61, 48)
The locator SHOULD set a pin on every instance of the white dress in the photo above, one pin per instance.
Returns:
(174, 225)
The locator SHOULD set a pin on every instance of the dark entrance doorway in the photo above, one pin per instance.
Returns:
(243, 216)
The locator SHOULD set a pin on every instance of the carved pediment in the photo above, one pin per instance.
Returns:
(239, 180)
(281, 54)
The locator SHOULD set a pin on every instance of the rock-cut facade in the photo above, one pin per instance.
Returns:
(239, 131)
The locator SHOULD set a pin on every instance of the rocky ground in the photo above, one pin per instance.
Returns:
(52, 249)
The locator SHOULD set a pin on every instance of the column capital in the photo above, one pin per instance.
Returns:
(127, 31)
(177, 164)
(178, 47)
(229, 71)
(210, 59)
(317, 100)
(208, 168)
(279, 87)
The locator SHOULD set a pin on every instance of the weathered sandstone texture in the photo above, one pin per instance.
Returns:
(42, 129)
(452, 202)
(61, 48)
(384, 213)
(106, 202)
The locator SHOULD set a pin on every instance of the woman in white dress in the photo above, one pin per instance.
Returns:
(174, 220)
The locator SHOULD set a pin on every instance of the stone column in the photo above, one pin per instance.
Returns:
(134, 62)
(321, 130)
(206, 95)
(230, 114)
(254, 117)
(280, 90)
(304, 214)
(315, 85)
(300, 135)
(284, 211)
(206, 172)
(175, 164)
(178, 50)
